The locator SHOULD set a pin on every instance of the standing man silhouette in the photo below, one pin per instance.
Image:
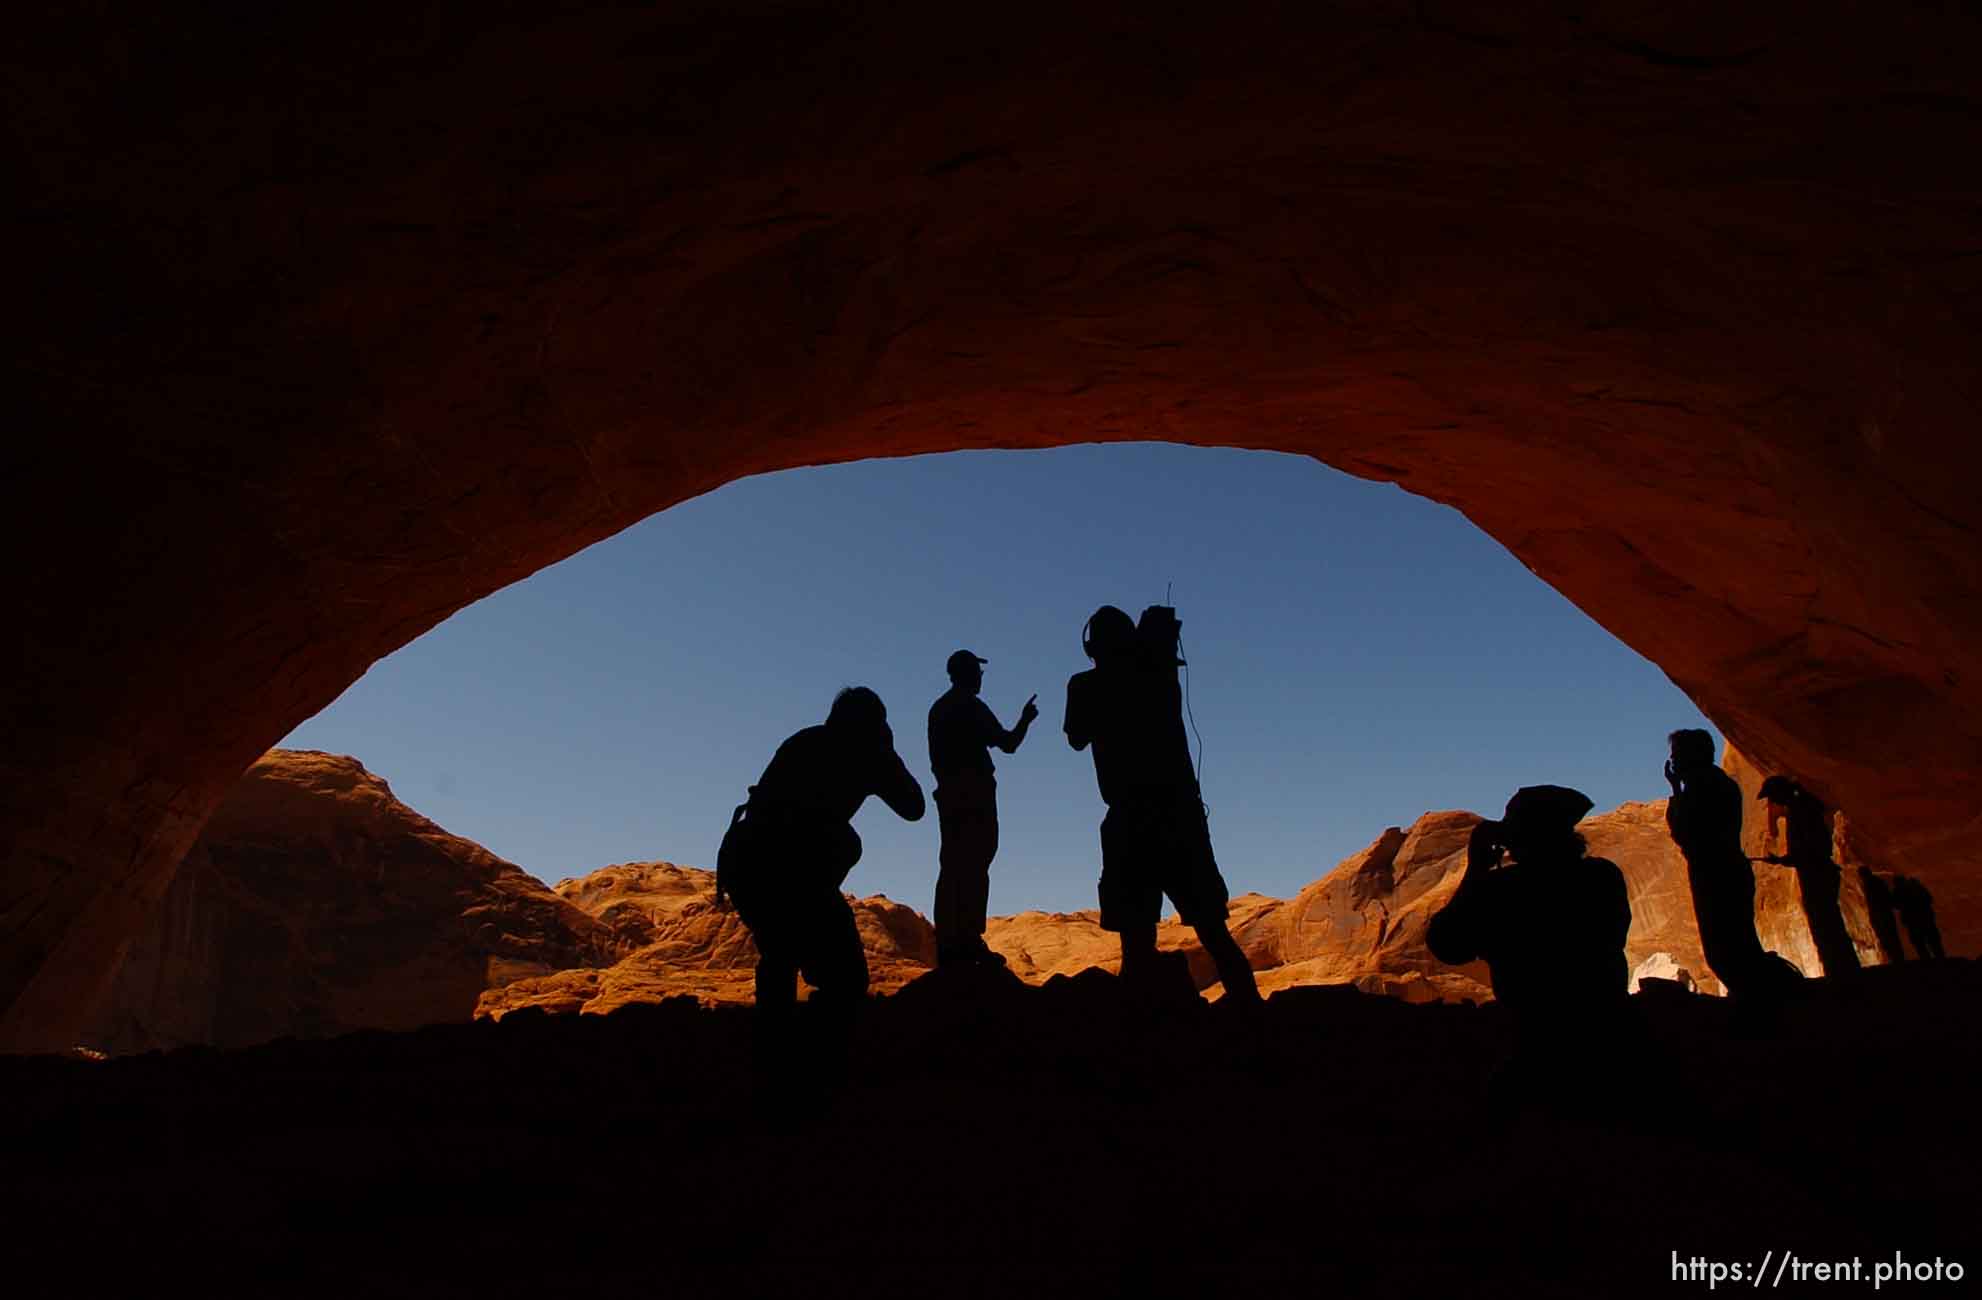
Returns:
(962, 730)
(1704, 817)
(1818, 878)
(1155, 839)
(1916, 908)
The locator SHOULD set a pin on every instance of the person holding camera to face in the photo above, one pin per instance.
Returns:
(1549, 921)
(1155, 839)
(789, 849)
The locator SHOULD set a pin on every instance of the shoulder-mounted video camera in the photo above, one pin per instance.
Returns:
(1153, 642)
(1159, 635)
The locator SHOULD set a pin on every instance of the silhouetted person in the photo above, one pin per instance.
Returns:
(1155, 838)
(1916, 908)
(791, 846)
(962, 730)
(1550, 926)
(1704, 816)
(1818, 877)
(1879, 911)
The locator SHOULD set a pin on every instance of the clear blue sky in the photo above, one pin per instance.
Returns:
(1358, 656)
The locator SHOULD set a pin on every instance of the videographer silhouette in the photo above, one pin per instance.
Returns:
(1155, 839)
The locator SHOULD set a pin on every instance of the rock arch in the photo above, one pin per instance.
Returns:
(336, 323)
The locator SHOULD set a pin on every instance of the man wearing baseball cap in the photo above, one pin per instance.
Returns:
(1806, 822)
(962, 730)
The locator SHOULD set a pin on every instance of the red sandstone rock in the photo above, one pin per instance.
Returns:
(1778, 902)
(1677, 303)
(316, 903)
(680, 942)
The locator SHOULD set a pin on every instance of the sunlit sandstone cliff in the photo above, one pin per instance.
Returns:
(322, 336)
(317, 903)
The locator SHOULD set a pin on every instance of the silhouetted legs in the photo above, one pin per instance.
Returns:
(1724, 907)
(809, 930)
(1140, 957)
(1234, 971)
(777, 986)
(1916, 909)
(1879, 911)
(1158, 848)
(1926, 937)
(1819, 883)
(1138, 952)
(963, 881)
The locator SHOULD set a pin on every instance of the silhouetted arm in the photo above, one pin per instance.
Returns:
(1078, 725)
(897, 786)
(1454, 935)
(1009, 741)
(1679, 818)
(1616, 903)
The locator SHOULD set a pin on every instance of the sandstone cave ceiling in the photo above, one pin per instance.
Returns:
(331, 323)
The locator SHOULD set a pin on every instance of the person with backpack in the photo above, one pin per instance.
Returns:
(790, 846)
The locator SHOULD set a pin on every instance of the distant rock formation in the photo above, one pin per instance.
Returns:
(677, 941)
(1363, 923)
(316, 903)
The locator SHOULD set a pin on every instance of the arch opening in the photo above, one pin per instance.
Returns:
(1725, 409)
(1357, 657)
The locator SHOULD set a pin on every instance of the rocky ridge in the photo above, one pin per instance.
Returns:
(317, 903)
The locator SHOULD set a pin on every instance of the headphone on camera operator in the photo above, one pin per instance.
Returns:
(1154, 640)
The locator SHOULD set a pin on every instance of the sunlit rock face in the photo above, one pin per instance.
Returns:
(324, 334)
(316, 903)
(1364, 922)
(1779, 915)
(679, 942)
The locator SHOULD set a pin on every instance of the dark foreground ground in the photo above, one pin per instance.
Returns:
(999, 1142)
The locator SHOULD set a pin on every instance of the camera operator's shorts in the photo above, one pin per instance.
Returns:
(1154, 849)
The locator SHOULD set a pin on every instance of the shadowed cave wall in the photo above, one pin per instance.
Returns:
(332, 320)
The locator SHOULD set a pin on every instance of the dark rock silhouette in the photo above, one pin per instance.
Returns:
(390, 1164)
(316, 903)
